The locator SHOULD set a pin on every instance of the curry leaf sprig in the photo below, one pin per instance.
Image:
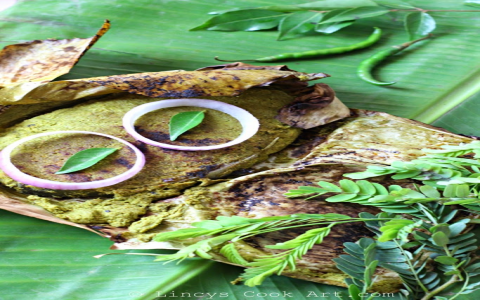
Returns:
(327, 17)
(323, 17)
(223, 234)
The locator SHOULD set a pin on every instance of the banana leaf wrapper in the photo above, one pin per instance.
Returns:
(222, 81)
(321, 153)
(29, 99)
(41, 61)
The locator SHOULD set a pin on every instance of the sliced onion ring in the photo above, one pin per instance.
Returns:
(249, 123)
(9, 168)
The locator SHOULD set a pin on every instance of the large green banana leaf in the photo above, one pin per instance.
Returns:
(438, 83)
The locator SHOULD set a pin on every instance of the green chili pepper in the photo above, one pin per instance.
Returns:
(365, 68)
(372, 39)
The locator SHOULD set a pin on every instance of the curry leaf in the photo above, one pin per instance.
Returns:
(184, 121)
(349, 14)
(418, 24)
(332, 27)
(325, 4)
(243, 20)
(298, 23)
(84, 159)
(394, 4)
(474, 3)
(322, 5)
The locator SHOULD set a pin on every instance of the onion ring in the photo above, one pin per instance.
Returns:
(249, 123)
(9, 168)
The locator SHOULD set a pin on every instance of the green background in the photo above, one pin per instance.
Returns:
(438, 83)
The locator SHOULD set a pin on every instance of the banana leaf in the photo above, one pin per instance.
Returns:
(437, 82)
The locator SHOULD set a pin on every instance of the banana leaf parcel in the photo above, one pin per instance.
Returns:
(306, 135)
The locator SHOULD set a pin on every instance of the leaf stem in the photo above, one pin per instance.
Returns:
(467, 281)
(452, 280)
(412, 268)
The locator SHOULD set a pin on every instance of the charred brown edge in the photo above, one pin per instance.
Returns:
(313, 97)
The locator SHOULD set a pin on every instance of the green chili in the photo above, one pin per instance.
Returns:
(365, 68)
(372, 39)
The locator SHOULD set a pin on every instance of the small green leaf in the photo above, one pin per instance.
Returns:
(354, 292)
(298, 23)
(351, 14)
(228, 221)
(406, 174)
(394, 4)
(328, 28)
(445, 228)
(457, 228)
(231, 253)
(446, 260)
(450, 191)
(419, 24)
(398, 229)
(462, 191)
(366, 187)
(340, 198)
(184, 121)
(440, 239)
(84, 159)
(311, 189)
(430, 191)
(181, 234)
(243, 20)
(329, 186)
(349, 186)
(321, 5)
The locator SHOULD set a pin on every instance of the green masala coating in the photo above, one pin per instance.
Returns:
(166, 173)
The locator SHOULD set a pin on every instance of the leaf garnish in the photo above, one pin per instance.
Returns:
(184, 121)
(85, 159)
(328, 28)
(243, 20)
(298, 23)
(474, 3)
(263, 267)
(351, 14)
(226, 231)
(419, 234)
(395, 4)
(419, 24)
